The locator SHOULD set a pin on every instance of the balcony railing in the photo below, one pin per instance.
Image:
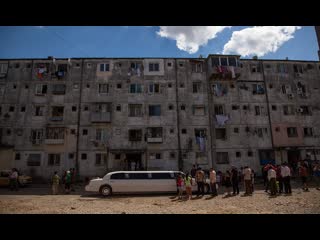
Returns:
(100, 117)
(54, 141)
(154, 139)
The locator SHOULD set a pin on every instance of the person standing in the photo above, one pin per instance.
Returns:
(200, 181)
(303, 172)
(193, 171)
(68, 182)
(252, 180)
(235, 180)
(228, 182)
(316, 173)
(272, 175)
(188, 184)
(247, 180)
(279, 178)
(13, 178)
(286, 175)
(213, 182)
(180, 186)
(55, 183)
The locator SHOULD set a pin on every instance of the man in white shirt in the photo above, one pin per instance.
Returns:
(272, 180)
(286, 174)
(213, 181)
(247, 180)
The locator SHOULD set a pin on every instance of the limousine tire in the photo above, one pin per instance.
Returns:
(105, 190)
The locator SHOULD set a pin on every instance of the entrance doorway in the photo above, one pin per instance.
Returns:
(134, 161)
(293, 159)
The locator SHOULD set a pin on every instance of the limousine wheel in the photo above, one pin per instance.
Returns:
(105, 191)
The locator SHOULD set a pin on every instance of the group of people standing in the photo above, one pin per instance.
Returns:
(67, 181)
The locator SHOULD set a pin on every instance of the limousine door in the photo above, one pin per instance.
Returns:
(119, 182)
(163, 182)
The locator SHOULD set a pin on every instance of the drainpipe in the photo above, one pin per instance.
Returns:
(180, 161)
(268, 107)
(78, 123)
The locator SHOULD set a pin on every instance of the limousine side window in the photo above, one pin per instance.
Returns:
(118, 176)
(139, 176)
(162, 176)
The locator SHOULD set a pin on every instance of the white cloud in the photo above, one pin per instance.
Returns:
(189, 38)
(259, 40)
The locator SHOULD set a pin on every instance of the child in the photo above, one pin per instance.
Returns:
(180, 186)
(188, 184)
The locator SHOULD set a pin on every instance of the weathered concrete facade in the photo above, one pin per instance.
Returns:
(99, 114)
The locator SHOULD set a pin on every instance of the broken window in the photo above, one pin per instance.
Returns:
(292, 132)
(101, 159)
(54, 159)
(104, 67)
(199, 110)
(39, 110)
(58, 89)
(196, 87)
(135, 88)
(222, 158)
(135, 110)
(153, 67)
(154, 88)
(154, 110)
(135, 135)
(221, 133)
(218, 110)
(55, 133)
(41, 89)
(307, 132)
(257, 89)
(103, 88)
(288, 110)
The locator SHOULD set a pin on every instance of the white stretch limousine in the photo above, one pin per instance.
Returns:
(138, 182)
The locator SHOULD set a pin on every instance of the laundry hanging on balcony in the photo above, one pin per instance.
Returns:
(222, 119)
(41, 72)
(219, 90)
(233, 75)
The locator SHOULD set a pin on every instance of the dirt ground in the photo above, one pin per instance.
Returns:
(37, 199)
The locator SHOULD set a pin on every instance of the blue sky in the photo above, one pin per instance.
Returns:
(268, 42)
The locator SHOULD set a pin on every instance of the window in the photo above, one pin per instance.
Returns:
(232, 61)
(75, 86)
(169, 64)
(170, 107)
(282, 68)
(199, 110)
(218, 110)
(58, 89)
(305, 110)
(255, 68)
(257, 89)
(236, 130)
(41, 89)
(274, 108)
(139, 175)
(307, 132)
(161, 176)
(119, 85)
(101, 159)
(39, 111)
(288, 110)
(135, 135)
(259, 132)
(17, 156)
(184, 131)
(117, 156)
(70, 155)
(135, 88)
(156, 156)
(118, 176)
(34, 160)
(286, 89)
(118, 108)
(235, 107)
(103, 88)
(169, 85)
(23, 109)
(86, 108)
(83, 156)
(2, 87)
(88, 86)
(14, 86)
(196, 87)
(57, 113)
(17, 65)
(153, 67)
(135, 110)
(102, 107)
(8, 132)
(257, 110)
(224, 61)
(215, 62)
(277, 129)
(221, 133)
(53, 159)
(238, 154)
(36, 136)
(154, 110)
(297, 68)
(196, 67)
(101, 134)
(89, 65)
(154, 88)
(270, 85)
(222, 157)
(84, 131)
(104, 67)
(250, 153)
(55, 133)
(3, 68)
(11, 109)
(180, 64)
(26, 86)
(292, 132)
(181, 85)
(183, 107)
(172, 155)
(171, 130)
(154, 132)
(77, 65)
(73, 131)
(74, 108)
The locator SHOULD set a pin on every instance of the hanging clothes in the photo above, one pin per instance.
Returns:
(222, 119)
(233, 75)
(202, 144)
(138, 72)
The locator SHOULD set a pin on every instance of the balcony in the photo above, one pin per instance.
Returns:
(54, 141)
(225, 72)
(154, 139)
(100, 117)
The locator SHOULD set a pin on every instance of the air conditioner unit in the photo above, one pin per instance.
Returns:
(290, 95)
